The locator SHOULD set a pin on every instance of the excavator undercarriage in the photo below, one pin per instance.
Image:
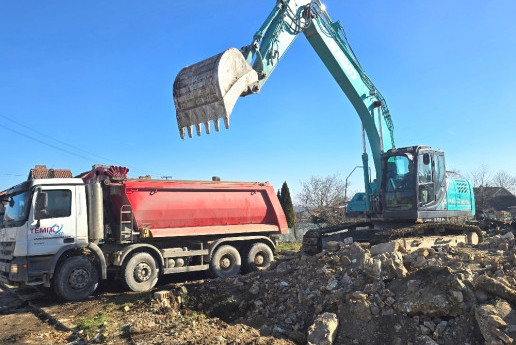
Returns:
(410, 236)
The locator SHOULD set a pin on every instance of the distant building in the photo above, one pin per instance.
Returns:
(494, 198)
(41, 172)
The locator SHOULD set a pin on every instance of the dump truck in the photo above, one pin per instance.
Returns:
(68, 233)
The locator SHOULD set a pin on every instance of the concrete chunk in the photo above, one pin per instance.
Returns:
(387, 247)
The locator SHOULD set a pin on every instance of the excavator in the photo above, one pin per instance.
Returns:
(411, 193)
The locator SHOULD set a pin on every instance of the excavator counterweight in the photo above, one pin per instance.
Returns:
(208, 90)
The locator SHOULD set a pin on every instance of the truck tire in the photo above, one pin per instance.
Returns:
(225, 262)
(76, 278)
(259, 257)
(141, 272)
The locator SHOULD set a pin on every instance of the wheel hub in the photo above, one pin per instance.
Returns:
(225, 263)
(142, 272)
(259, 259)
(79, 278)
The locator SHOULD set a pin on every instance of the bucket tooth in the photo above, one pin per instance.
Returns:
(198, 129)
(216, 123)
(182, 132)
(208, 90)
(207, 127)
(190, 131)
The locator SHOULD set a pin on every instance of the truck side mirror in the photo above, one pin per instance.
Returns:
(41, 205)
(11, 202)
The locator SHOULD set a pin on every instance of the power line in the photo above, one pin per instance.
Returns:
(89, 159)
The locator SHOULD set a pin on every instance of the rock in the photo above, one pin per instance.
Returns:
(389, 301)
(278, 331)
(332, 284)
(333, 245)
(432, 296)
(322, 331)
(298, 337)
(504, 246)
(425, 330)
(348, 240)
(361, 309)
(508, 236)
(258, 304)
(392, 265)
(358, 253)
(456, 296)
(387, 247)
(490, 324)
(439, 330)
(495, 287)
(345, 260)
(430, 325)
(254, 290)
(283, 267)
(220, 339)
(373, 268)
(424, 340)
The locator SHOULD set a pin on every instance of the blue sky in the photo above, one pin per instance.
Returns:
(98, 76)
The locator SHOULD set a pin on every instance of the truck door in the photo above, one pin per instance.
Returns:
(53, 223)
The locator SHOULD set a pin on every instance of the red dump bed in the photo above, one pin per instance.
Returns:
(185, 208)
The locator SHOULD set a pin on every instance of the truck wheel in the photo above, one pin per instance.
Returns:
(140, 272)
(259, 257)
(76, 278)
(225, 262)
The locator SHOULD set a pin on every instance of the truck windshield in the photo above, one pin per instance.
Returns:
(399, 184)
(17, 208)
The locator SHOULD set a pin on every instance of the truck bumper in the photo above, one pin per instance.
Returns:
(14, 272)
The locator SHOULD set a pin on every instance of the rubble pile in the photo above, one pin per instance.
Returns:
(357, 294)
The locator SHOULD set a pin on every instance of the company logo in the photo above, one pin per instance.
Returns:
(53, 230)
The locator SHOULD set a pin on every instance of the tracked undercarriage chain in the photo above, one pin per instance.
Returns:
(312, 240)
(425, 229)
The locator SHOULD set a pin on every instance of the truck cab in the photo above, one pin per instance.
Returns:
(42, 218)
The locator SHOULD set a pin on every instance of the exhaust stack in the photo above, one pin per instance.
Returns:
(208, 90)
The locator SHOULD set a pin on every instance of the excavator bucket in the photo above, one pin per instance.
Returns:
(209, 89)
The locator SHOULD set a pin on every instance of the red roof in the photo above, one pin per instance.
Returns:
(41, 172)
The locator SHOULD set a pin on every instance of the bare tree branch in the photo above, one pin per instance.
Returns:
(321, 196)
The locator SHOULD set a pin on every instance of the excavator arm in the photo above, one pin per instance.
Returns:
(208, 90)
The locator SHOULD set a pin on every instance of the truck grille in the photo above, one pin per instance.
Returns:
(6, 251)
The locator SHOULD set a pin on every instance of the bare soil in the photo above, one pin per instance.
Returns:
(446, 295)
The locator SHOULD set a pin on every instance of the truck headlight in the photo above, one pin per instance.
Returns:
(14, 268)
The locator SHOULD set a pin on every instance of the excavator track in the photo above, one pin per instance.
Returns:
(312, 240)
(364, 232)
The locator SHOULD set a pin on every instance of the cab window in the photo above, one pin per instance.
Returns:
(59, 204)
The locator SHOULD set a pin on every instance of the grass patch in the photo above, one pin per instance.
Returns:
(292, 246)
(91, 324)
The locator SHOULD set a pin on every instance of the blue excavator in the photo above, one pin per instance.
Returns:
(411, 193)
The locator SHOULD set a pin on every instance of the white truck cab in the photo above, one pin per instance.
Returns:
(42, 217)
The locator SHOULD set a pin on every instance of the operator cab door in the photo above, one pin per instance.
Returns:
(53, 221)
(430, 177)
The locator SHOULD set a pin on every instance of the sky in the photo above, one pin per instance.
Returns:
(85, 83)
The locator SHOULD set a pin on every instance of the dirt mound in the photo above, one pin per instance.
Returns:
(441, 295)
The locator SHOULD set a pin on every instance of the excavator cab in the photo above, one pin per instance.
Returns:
(415, 185)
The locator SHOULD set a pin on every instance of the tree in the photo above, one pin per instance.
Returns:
(286, 204)
(321, 197)
(505, 180)
(480, 177)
